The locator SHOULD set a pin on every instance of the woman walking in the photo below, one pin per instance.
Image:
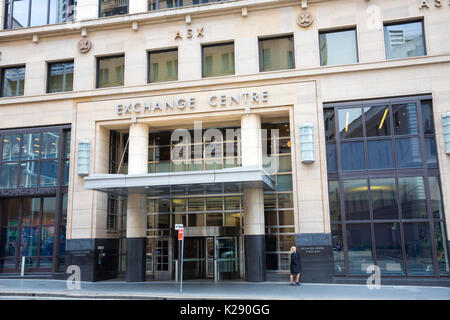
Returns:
(295, 267)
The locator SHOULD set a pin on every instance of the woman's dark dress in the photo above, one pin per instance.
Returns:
(296, 268)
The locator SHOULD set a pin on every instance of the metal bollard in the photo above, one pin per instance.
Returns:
(216, 273)
(176, 270)
(22, 269)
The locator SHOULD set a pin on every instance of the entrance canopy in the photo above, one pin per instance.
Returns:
(173, 183)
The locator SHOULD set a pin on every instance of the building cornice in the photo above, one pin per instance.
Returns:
(228, 82)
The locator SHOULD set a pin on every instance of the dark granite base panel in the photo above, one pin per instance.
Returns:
(316, 257)
(255, 258)
(136, 248)
(98, 259)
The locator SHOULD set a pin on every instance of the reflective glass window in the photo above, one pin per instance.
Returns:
(13, 81)
(113, 7)
(405, 118)
(377, 121)
(50, 145)
(350, 123)
(218, 60)
(31, 146)
(356, 200)
(332, 165)
(38, 12)
(419, 257)
(60, 78)
(163, 66)
(380, 154)
(338, 248)
(334, 201)
(427, 117)
(359, 244)
(352, 156)
(47, 240)
(441, 249)
(110, 71)
(330, 125)
(8, 177)
(48, 173)
(11, 147)
(435, 198)
(431, 152)
(389, 248)
(28, 175)
(404, 40)
(383, 194)
(276, 54)
(409, 154)
(338, 47)
(412, 198)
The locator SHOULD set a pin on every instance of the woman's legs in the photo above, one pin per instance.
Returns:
(298, 278)
(291, 278)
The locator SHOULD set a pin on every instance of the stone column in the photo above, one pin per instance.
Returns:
(254, 242)
(137, 205)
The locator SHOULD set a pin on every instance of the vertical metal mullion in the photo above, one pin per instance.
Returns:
(58, 217)
(30, 4)
(48, 12)
(427, 187)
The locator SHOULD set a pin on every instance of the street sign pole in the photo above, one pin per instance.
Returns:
(181, 238)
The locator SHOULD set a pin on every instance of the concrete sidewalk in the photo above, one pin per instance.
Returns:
(209, 290)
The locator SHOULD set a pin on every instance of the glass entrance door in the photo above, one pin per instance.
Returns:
(227, 255)
(194, 262)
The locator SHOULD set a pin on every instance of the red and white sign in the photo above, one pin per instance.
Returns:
(180, 234)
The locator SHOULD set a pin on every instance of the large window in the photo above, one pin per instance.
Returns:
(384, 190)
(218, 60)
(276, 53)
(30, 13)
(60, 76)
(34, 163)
(404, 40)
(110, 71)
(113, 7)
(12, 81)
(338, 47)
(163, 65)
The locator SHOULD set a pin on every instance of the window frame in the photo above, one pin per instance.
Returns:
(402, 22)
(276, 37)
(7, 23)
(424, 172)
(49, 64)
(2, 78)
(97, 60)
(337, 30)
(150, 52)
(219, 44)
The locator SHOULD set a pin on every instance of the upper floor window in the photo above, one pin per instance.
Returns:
(31, 13)
(163, 65)
(113, 7)
(404, 40)
(338, 47)
(276, 53)
(110, 71)
(12, 81)
(60, 76)
(218, 60)
(167, 4)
